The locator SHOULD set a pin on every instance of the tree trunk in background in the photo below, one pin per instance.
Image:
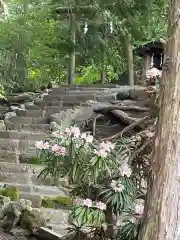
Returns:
(72, 59)
(103, 68)
(146, 67)
(103, 76)
(162, 210)
(130, 61)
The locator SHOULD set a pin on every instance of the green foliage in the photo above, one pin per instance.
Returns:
(119, 200)
(129, 231)
(35, 44)
(87, 216)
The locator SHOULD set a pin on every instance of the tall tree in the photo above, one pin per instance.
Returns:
(162, 210)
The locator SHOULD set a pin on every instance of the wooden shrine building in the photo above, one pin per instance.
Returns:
(153, 55)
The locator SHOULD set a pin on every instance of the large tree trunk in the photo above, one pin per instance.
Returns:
(162, 210)
(130, 61)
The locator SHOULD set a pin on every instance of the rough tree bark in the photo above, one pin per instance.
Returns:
(162, 210)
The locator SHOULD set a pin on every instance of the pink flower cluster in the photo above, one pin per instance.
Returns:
(117, 186)
(89, 203)
(104, 149)
(153, 73)
(56, 149)
(75, 132)
(125, 170)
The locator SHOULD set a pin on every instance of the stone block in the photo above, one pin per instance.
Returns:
(15, 167)
(9, 145)
(56, 216)
(31, 128)
(106, 97)
(36, 199)
(11, 177)
(22, 135)
(20, 97)
(48, 234)
(28, 120)
(42, 103)
(9, 156)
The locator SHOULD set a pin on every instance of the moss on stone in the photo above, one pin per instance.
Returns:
(34, 160)
(12, 193)
(49, 202)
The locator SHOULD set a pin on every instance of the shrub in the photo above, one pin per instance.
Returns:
(102, 180)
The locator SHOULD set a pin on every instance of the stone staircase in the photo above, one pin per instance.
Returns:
(32, 123)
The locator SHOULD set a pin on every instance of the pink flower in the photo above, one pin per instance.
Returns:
(42, 145)
(139, 208)
(107, 146)
(101, 205)
(75, 131)
(101, 153)
(87, 202)
(125, 170)
(58, 150)
(57, 134)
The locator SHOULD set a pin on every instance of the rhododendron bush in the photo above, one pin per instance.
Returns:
(104, 191)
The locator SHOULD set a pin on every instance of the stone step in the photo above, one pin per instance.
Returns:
(36, 189)
(26, 145)
(16, 167)
(45, 128)
(20, 173)
(9, 156)
(51, 95)
(9, 145)
(56, 216)
(30, 113)
(22, 177)
(87, 91)
(36, 198)
(70, 98)
(22, 135)
(58, 232)
(28, 120)
(31, 106)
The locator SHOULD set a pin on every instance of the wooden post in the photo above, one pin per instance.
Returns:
(146, 67)
(72, 59)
